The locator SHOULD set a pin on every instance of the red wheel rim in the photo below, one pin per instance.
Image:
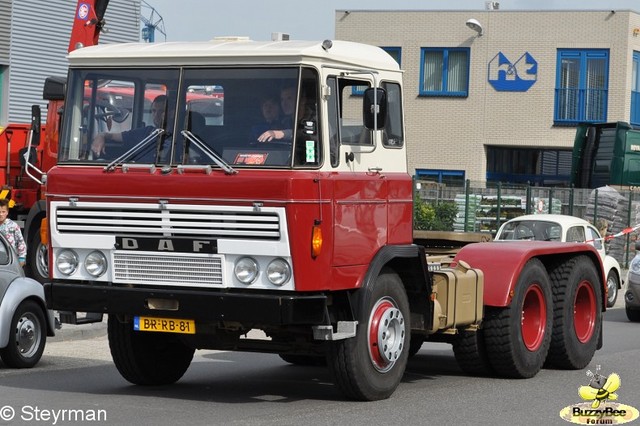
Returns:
(386, 335)
(534, 318)
(584, 312)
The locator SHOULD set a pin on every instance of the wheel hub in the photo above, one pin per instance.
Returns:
(386, 335)
(27, 336)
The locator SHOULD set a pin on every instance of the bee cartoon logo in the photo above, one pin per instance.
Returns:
(601, 406)
(600, 388)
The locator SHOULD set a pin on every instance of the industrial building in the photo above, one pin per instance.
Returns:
(495, 95)
(34, 37)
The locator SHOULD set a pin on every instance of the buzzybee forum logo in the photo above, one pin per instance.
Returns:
(601, 406)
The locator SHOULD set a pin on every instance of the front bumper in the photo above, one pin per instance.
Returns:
(632, 293)
(201, 305)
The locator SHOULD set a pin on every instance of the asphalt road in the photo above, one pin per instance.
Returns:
(77, 378)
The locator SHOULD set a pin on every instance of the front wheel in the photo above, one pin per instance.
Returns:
(147, 358)
(27, 337)
(612, 289)
(517, 337)
(370, 365)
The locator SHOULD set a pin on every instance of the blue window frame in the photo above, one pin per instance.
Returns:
(444, 71)
(451, 177)
(635, 90)
(582, 86)
(394, 52)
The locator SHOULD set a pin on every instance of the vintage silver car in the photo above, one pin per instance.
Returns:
(632, 295)
(25, 322)
(556, 227)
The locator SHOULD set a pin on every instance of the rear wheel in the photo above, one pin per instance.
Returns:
(370, 365)
(147, 358)
(471, 353)
(612, 289)
(577, 313)
(517, 337)
(27, 336)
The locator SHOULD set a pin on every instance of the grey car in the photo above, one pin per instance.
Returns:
(25, 322)
(632, 294)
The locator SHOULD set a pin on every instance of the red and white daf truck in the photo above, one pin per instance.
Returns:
(192, 234)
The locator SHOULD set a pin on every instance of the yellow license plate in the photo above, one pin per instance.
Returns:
(164, 325)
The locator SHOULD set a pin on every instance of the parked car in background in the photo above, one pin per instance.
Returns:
(632, 295)
(555, 227)
(25, 322)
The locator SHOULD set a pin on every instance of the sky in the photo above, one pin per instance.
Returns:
(198, 20)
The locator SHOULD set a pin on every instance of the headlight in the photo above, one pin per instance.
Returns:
(635, 265)
(67, 262)
(246, 270)
(278, 272)
(95, 264)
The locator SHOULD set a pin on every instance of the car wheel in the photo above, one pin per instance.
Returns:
(633, 314)
(27, 336)
(612, 288)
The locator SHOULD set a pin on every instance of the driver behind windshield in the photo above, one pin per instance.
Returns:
(130, 138)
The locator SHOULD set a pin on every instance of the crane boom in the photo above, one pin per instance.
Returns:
(88, 23)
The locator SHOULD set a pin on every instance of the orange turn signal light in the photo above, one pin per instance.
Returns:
(316, 241)
(44, 231)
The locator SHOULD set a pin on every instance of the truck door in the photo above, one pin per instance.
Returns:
(360, 192)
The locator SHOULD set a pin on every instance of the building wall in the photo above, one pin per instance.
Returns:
(40, 32)
(452, 133)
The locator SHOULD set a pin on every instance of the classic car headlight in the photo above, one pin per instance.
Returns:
(67, 262)
(95, 264)
(246, 270)
(278, 272)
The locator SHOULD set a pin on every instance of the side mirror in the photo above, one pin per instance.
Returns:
(35, 125)
(637, 245)
(374, 108)
(54, 88)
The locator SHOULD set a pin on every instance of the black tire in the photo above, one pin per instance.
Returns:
(415, 344)
(517, 337)
(37, 259)
(27, 338)
(147, 358)
(370, 371)
(471, 353)
(633, 314)
(613, 283)
(304, 360)
(577, 313)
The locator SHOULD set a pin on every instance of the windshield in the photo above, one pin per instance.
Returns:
(531, 230)
(240, 117)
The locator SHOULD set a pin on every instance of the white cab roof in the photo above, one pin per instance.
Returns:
(233, 51)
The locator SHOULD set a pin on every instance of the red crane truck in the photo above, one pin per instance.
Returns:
(24, 157)
(191, 234)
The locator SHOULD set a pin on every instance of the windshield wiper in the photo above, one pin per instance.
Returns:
(134, 150)
(214, 156)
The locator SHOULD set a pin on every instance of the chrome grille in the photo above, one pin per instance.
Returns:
(168, 221)
(167, 269)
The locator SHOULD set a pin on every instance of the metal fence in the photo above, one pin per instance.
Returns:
(483, 207)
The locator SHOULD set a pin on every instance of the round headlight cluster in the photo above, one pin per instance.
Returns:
(67, 262)
(635, 265)
(278, 272)
(246, 270)
(95, 264)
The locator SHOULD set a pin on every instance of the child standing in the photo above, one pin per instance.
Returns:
(11, 231)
